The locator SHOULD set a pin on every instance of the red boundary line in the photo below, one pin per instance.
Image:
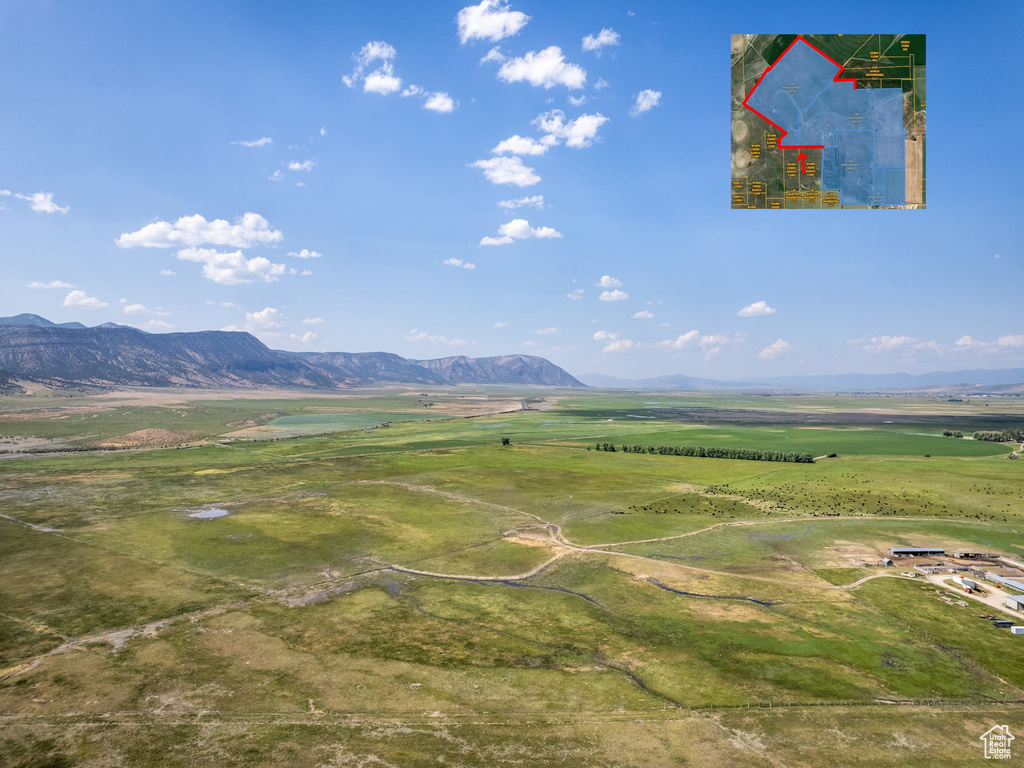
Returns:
(782, 131)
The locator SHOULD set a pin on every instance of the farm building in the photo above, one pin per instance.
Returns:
(963, 582)
(915, 551)
(1017, 630)
(971, 555)
(1005, 581)
(886, 561)
(1002, 623)
(1015, 602)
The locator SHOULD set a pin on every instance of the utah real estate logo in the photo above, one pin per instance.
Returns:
(997, 742)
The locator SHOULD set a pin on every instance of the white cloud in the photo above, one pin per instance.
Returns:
(1016, 340)
(277, 175)
(619, 345)
(435, 101)
(382, 80)
(168, 272)
(889, 343)
(600, 40)
(323, 130)
(306, 273)
(646, 100)
(232, 268)
(5, 193)
(42, 202)
(135, 309)
(313, 321)
(489, 20)
(501, 324)
(578, 133)
(305, 165)
(756, 309)
(601, 84)
(546, 68)
(83, 300)
(520, 145)
(578, 101)
(519, 229)
(267, 318)
(775, 349)
(261, 142)
(607, 281)
(643, 314)
(680, 342)
(494, 54)
(157, 325)
(453, 262)
(415, 335)
(615, 295)
(439, 102)
(547, 331)
(51, 284)
(307, 338)
(250, 229)
(575, 295)
(305, 253)
(507, 170)
(533, 201)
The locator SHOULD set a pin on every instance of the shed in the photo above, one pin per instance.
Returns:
(1002, 623)
(1015, 602)
(1017, 630)
(915, 551)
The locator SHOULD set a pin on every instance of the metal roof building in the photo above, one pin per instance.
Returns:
(915, 551)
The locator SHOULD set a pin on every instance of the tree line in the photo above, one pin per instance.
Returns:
(1008, 435)
(710, 452)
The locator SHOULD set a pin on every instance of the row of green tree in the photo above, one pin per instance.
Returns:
(710, 452)
(1008, 435)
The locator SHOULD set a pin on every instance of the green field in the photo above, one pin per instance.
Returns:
(422, 594)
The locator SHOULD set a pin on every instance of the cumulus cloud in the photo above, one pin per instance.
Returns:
(313, 321)
(435, 101)
(267, 318)
(382, 80)
(142, 309)
(157, 325)
(615, 342)
(83, 300)
(494, 54)
(305, 253)
(756, 309)
(533, 201)
(250, 229)
(233, 268)
(1016, 340)
(878, 344)
(603, 38)
(615, 295)
(547, 331)
(304, 165)
(453, 262)
(601, 84)
(607, 281)
(261, 142)
(519, 229)
(416, 335)
(501, 324)
(546, 69)
(646, 100)
(507, 170)
(135, 309)
(575, 295)
(775, 349)
(489, 20)
(168, 272)
(680, 342)
(520, 145)
(578, 133)
(51, 284)
(643, 314)
(42, 202)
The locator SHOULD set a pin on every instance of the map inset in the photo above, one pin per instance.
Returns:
(828, 121)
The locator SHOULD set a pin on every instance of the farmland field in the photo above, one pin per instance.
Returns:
(392, 585)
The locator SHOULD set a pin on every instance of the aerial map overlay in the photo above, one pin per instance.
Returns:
(828, 121)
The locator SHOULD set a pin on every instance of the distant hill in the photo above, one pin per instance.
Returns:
(26, 318)
(960, 380)
(111, 355)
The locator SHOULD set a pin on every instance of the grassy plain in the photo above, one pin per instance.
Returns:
(418, 593)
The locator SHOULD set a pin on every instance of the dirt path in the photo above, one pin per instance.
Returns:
(993, 597)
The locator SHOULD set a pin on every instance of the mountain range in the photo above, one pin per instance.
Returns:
(72, 354)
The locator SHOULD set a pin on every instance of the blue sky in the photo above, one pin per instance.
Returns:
(130, 117)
